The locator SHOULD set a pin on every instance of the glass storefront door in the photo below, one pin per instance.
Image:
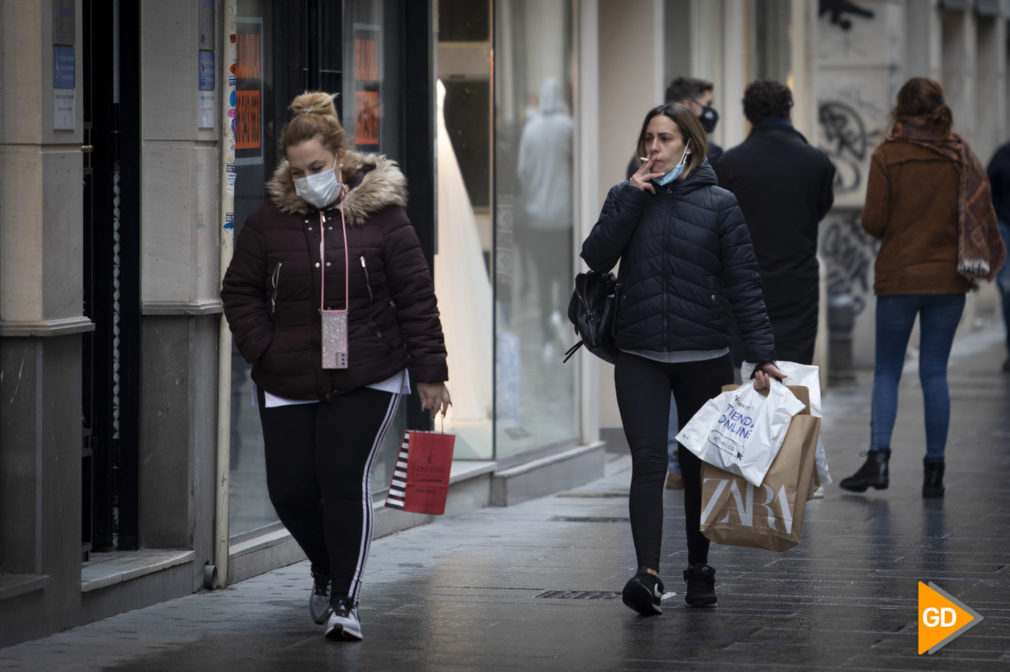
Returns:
(536, 394)
(503, 269)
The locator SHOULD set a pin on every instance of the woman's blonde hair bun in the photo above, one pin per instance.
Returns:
(314, 102)
(314, 115)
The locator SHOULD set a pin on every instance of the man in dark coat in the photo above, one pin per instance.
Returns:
(784, 187)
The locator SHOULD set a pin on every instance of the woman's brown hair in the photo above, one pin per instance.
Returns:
(315, 115)
(690, 130)
(922, 97)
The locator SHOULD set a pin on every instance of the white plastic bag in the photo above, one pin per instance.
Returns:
(742, 430)
(808, 376)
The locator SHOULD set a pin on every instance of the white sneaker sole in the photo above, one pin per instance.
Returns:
(343, 632)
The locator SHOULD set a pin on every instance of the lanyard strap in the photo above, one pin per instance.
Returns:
(322, 261)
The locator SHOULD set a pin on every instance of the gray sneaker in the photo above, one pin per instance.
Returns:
(344, 623)
(319, 601)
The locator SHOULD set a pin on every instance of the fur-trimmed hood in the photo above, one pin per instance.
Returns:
(374, 182)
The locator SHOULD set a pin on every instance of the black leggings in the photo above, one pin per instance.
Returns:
(643, 396)
(318, 460)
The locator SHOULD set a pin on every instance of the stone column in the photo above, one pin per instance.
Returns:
(41, 318)
(180, 302)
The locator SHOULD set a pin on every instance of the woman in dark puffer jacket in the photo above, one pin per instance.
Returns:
(327, 395)
(686, 259)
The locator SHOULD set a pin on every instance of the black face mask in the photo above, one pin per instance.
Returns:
(708, 118)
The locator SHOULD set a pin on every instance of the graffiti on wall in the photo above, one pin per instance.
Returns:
(838, 9)
(850, 128)
(849, 254)
(845, 134)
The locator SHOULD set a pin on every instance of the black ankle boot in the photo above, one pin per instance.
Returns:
(873, 473)
(700, 581)
(932, 478)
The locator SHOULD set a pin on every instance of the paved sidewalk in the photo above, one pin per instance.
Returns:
(535, 586)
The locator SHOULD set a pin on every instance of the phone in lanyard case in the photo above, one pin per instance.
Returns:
(333, 322)
(334, 332)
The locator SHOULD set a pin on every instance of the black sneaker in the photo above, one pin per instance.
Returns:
(319, 600)
(644, 593)
(700, 586)
(343, 622)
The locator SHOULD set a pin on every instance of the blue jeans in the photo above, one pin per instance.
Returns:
(671, 439)
(1003, 283)
(938, 318)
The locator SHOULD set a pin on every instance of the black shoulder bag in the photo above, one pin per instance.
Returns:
(592, 311)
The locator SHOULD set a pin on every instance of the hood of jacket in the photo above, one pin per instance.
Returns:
(374, 181)
(550, 97)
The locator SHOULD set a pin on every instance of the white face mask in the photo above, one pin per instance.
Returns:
(320, 189)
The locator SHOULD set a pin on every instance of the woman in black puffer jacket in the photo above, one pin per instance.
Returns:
(686, 259)
(332, 245)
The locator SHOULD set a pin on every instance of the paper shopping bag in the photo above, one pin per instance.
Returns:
(420, 480)
(768, 516)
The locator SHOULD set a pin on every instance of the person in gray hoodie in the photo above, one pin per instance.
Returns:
(545, 178)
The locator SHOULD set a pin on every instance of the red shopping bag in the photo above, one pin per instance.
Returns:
(420, 480)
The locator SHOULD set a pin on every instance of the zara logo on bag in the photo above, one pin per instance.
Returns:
(775, 505)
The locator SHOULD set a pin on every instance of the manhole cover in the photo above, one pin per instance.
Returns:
(589, 519)
(579, 595)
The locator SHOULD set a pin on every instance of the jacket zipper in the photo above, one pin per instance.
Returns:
(368, 284)
(585, 304)
(275, 281)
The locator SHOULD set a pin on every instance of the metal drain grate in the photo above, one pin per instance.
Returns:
(578, 595)
(590, 519)
(592, 495)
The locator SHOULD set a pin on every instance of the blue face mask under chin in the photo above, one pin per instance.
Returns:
(677, 170)
(671, 176)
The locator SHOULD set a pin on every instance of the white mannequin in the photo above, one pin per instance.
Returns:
(463, 289)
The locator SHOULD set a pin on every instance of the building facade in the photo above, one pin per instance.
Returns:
(137, 137)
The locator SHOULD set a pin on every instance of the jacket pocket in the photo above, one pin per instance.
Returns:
(368, 283)
(275, 283)
(379, 334)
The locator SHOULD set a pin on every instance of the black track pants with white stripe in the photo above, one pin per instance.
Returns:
(318, 460)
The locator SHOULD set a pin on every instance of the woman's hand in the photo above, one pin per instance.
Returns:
(641, 177)
(763, 376)
(434, 396)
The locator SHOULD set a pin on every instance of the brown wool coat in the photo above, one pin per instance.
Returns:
(271, 291)
(911, 206)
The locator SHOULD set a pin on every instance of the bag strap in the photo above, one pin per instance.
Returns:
(570, 352)
(322, 262)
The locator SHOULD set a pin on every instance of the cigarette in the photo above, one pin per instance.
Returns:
(643, 159)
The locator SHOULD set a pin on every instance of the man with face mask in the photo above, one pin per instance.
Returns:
(695, 95)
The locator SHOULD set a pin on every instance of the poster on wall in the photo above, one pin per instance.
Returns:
(367, 86)
(64, 22)
(249, 91)
(64, 110)
(205, 19)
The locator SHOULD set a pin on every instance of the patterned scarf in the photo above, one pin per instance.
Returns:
(980, 250)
